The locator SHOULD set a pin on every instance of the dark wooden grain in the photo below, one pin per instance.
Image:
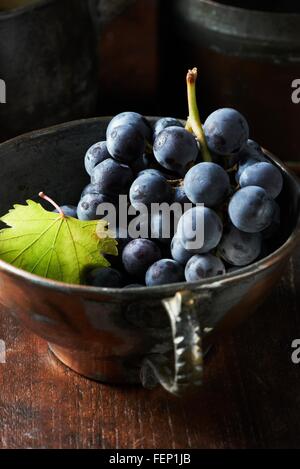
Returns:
(251, 396)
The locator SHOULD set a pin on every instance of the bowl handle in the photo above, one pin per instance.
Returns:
(185, 374)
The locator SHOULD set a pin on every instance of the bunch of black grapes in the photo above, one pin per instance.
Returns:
(164, 163)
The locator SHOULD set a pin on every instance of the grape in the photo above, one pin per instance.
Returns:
(125, 143)
(207, 183)
(176, 149)
(134, 119)
(264, 175)
(165, 122)
(90, 189)
(150, 188)
(252, 149)
(138, 255)
(88, 205)
(250, 154)
(68, 210)
(226, 131)
(151, 171)
(164, 271)
(239, 248)
(190, 225)
(105, 277)
(251, 209)
(273, 229)
(203, 266)
(112, 177)
(180, 196)
(178, 252)
(95, 155)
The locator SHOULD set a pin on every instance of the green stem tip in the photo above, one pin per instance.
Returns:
(194, 121)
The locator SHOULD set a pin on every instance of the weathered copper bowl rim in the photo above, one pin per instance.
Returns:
(212, 282)
(13, 12)
(263, 13)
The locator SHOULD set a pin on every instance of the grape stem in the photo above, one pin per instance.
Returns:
(188, 127)
(175, 182)
(51, 201)
(232, 169)
(194, 121)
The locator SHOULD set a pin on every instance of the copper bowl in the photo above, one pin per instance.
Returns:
(126, 336)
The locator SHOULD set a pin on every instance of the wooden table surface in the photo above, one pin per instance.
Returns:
(251, 395)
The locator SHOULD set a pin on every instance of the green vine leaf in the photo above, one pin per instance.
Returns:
(54, 246)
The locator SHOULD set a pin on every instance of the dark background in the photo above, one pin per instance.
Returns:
(140, 51)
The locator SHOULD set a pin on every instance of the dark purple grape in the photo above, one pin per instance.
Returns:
(112, 177)
(138, 255)
(125, 143)
(90, 189)
(165, 122)
(251, 209)
(180, 196)
(274, 227)
(95, 155)
(89, 206)
(226, 131)
(203, 266)
(198, 222)
(178, 252)
(239, 248)
(207, 183)
(105, 277)
(151, 171)
(164, 271)
(176, 149)
(250, 154)
(252, 149)
(264, 175)
(134, 119)
(68, 210)
(150, 188)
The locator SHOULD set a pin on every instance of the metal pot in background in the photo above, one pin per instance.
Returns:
(105, 11)
(246, 59)
(48, 62)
